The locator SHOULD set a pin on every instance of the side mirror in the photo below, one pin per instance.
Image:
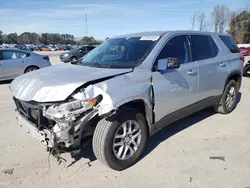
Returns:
(168, 63)
(162, 64)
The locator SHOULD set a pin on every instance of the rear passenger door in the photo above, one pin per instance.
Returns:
(83, 51)
(232, 53)
(212, 65)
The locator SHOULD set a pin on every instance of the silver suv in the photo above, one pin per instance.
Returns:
(127, 89)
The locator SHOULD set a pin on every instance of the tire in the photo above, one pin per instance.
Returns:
(73, 59)
(30, 69)
(222, 107)
(246, 71)
(104, 138)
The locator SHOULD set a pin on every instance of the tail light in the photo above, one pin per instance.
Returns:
(46, 58)
(242, 58)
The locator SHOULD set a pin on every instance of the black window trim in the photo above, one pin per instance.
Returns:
(210, 36)
(176, 35)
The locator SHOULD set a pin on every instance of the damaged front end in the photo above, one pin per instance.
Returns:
(61, 126)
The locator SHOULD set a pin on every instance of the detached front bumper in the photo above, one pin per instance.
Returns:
(43, 136)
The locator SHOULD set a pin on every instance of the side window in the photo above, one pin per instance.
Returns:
(203, 47)
(177, 47)
(82, 49)
(230, 43)
(22, 54)
(7, 55)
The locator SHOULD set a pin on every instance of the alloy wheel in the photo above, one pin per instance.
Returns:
(127, 140)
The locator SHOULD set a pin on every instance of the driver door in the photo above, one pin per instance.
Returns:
(82, 52)
(175, 89)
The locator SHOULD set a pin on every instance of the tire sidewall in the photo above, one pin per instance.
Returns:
(247, 69)
(28, 69)
(122, 117)
(223, 100)
(73, 58)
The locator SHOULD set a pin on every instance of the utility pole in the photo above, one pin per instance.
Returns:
(86, 19)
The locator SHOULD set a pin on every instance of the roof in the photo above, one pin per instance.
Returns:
(160, 33)
(149, 33)
(16, 49)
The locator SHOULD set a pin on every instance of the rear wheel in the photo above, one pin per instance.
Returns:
(30, 69)
(119, 142)
(229, 98)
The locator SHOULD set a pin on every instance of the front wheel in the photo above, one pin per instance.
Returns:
(246, 70)
(229, 98)
(119, 142)
(73, 59)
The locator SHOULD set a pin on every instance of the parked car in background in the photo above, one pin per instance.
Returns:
(75, 54)
(14, 62)
(127, 89)
(53, 48)
(21, 47)
(246, 69)
(67, 47)
(45, 48)
(245, 51)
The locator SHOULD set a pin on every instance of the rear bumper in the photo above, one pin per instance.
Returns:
(44, 136)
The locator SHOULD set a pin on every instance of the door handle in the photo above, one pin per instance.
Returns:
(192, 72)
(223, 64)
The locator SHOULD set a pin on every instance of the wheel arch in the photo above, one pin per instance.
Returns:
(141, 106)
(236, 75)
(73, 56)
(30, 67)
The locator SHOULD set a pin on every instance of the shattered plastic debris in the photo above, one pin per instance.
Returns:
(219, 158)
(8, 171)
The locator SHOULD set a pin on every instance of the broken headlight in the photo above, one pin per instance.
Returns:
(70, 110)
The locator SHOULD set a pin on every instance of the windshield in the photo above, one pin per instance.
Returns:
(120, 52)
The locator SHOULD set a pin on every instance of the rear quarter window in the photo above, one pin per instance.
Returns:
(203, 47)
(230, 43)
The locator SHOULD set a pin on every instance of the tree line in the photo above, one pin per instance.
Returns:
(45, 38)
(236, 23)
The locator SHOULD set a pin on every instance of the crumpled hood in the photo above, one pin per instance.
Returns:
(56, 83)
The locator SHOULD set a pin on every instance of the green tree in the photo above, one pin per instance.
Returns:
(239, 26)
(11, 38)
(1, 37)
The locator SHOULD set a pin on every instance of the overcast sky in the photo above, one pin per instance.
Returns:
(106, 18)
